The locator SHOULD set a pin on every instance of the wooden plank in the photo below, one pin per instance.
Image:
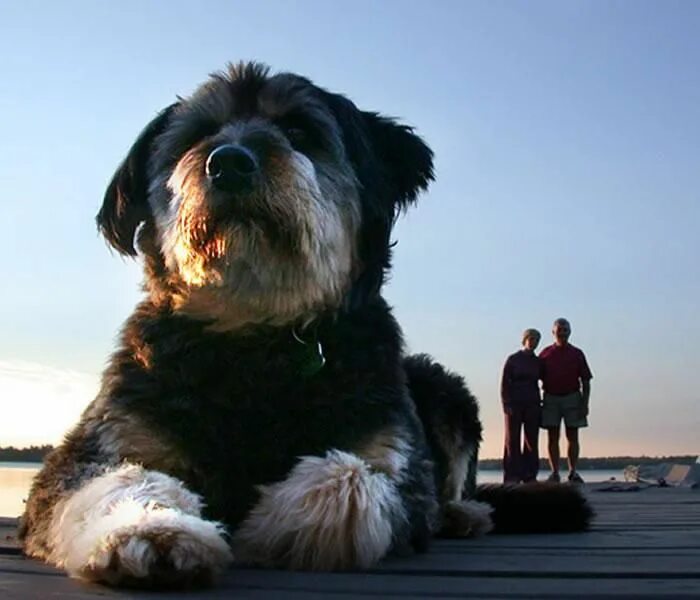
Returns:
(605, 564)
(432, 586)
(581, 541)
(643, 544)
(250, 583)
(524, 563)
(648, 496)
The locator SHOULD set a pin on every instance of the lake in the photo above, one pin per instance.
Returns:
(15, 479)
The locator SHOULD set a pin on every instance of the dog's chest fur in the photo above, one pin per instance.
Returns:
(240, 409)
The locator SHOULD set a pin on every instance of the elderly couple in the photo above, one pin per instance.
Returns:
(565, 377)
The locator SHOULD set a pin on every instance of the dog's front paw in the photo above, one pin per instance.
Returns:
(150, 547)
(331, 513)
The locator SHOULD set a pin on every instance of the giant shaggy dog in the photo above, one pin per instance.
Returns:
(259, 406)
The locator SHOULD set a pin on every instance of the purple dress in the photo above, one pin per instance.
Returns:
(520, 394)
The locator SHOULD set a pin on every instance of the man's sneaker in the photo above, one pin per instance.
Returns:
(574, 477)
(554, 477)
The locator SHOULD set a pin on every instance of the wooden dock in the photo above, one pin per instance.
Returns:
(643, 544)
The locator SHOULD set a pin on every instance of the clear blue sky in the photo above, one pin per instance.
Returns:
(567, 141)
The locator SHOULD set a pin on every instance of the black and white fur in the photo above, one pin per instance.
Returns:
(210, 438)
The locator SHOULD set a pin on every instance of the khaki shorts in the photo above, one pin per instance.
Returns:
(569, 408)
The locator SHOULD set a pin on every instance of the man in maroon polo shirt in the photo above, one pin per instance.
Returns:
(566, 380)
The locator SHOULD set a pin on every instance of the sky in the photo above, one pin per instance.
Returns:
(567, 144)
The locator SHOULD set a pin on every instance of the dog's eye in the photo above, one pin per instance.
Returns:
(296, 136)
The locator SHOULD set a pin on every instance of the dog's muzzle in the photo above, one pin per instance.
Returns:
(232, 168)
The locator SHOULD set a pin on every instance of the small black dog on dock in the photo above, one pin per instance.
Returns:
(260, 404)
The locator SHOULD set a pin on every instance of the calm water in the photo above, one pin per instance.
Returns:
(15, 479)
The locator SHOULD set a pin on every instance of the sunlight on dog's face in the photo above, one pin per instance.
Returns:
(253, 194)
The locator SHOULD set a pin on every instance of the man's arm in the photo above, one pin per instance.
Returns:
(585, 375)
(586, 393)
(586, 390)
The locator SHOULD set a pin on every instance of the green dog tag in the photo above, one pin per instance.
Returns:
(311, 359)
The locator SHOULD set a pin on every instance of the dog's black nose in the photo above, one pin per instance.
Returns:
(231, 168)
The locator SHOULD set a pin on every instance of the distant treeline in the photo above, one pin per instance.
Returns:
(607, 462)
(31, 454)
(37, 454)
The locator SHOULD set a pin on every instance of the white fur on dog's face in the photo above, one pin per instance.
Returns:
(284, 250)
(240, 256)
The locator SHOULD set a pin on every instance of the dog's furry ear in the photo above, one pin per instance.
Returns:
(407, 160)
(125, 204)
(392, 165)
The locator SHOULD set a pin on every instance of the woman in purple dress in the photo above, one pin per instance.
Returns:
(520, 394)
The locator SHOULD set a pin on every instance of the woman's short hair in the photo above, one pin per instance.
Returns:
(531, 333)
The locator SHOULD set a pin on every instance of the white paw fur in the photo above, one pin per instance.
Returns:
(330, 513)
(137, 526)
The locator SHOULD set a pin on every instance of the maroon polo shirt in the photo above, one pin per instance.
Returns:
(562, 368)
